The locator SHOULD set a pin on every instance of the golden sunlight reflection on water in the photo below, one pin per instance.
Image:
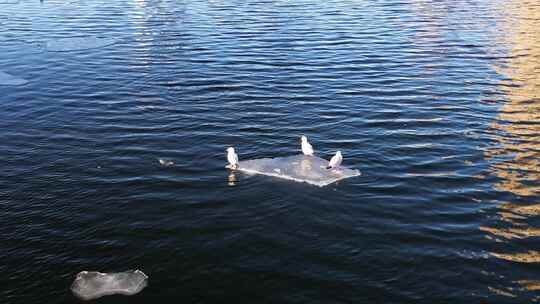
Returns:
(516, 153)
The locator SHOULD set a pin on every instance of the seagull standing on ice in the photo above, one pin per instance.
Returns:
(232, 157)
(307, 149)
(335, 161)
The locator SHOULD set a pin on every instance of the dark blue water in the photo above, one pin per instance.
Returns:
(436, 102)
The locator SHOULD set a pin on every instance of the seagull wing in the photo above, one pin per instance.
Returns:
(333, 161)
(310, 149)
(339, 160)
(307, 149)
(232, 158)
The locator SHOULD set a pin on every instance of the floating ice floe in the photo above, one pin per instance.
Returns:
(301, 168)
(77, 43)
(10, 80)
(90, 285)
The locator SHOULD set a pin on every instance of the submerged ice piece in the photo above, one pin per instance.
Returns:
(77, 43)
(300, 168)
(92, 284)
(10, 80)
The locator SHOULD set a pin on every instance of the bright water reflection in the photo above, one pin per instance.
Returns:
(515, 156)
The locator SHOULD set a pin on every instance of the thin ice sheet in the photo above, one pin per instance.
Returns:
(300, 168)
(92, 284)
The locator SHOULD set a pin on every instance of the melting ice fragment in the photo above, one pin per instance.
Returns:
(300, 168)
(7, 79)
(77, 43)
(165, 162)
(92, 284)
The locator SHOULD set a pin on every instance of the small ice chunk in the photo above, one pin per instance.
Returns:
(90, 285)
(165, 162)
(10, 80)
(77, 43)
(300, 168)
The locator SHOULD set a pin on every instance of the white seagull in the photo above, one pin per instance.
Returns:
(335, 161)
(307, 149)
(232, 157)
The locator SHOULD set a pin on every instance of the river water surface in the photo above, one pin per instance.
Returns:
(437, 103)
